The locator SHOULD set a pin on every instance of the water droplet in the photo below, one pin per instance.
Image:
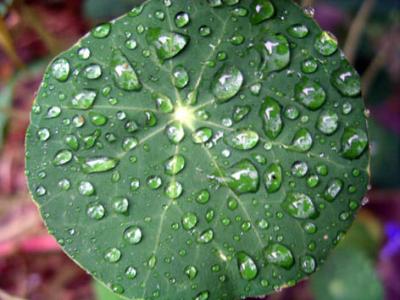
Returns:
(131, 44)
(206, 236)
(84, 53)
(62, 157)
(333, 189)
(299, 206)
(310, 94)
(302, 141)
(60, 69)
(328, 122)
(120, 205)
(298, 31)
(299, 169)
(133, 235)
(152, 262)
(95, 211)
(227, 83)
(182, 19)
(243, 177)
(247, 266)
(113, 255)
(326, 43)
(243, 139)
(43, 134)
(174, 165)
(240, 112)
(175, 132)
(271, 115)
(124, 75)
(309, 66)
(99, 164)
(308, 264)
(72, 142)
(136, 11)
(189, 221)
(164, 103)
(92, 71)
(261, 10)
(205, 30)
(205, 294)
(202, 135)
(174, 190)
(84, 100)
(191, 272)
(346, 81)
(180, 76)
(154, 182)
(86, 188)
(354, 142)
(101, 31)
(273, 178)
(203, 197)
(275, 52)
(167, 44)
(130, 272)
(129, 144)
(279, 255)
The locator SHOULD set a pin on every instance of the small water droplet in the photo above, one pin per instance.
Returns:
(247, 266)
(62, 157)
(101, 31)
(113, 255)
(271, 115)
(189, 221)
(133, 235)
(84, 100)
(60, 69)
(299, 206)
(326, 43)
(273, 178)
(354, 142)
(310, 94)
(279, 255)
(99, 164)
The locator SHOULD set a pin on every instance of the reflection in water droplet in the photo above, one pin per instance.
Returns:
(354, 142)
(279, 255)
(99, 164)
(271, 115)
(247, 266)
(227, 83)
(167, 44)
(261, 10)
(243, 139)
(124, 75)
(299, 206)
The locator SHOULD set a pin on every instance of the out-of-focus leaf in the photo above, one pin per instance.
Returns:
(385, 162)
(6, 94)
(103, 293)
(347, 275)
(4, 6)
(106, 9)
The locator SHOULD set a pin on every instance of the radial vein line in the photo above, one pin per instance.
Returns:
(233, 194)
(205, 104)
(215, 125)
(212, 53)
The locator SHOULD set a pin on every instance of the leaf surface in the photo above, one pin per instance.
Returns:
(199, 149)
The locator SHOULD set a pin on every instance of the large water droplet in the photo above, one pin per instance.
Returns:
(167, 44)
(84, 100)
(206, 236)
(243, 177)
(243, 139)
(273, 178)
(354, 142)
(133, 235)
(247, 266)
(271, 115)
(101, 31)
(202, 135)
(62, 157)
(299, 206)
(174, 190)
(328, 122)
(60, 69)
(302, 140)
(275, 52)
(175, 132)
(261, 10)
(346, 81)
(227, 83)
(92, 71)
(174, 165)
(124, 75)
(95, 211)
(189, 221)
(310, 94)
(164, 103)
(180, 76)
(333, 189)
(113, 255)
(99, 164)
(279, 255)
(326, 43)
(86, 188)
(298, 31)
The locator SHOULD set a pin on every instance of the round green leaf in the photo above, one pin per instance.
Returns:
(200, 149)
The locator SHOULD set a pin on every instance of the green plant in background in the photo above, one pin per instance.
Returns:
(200, 149)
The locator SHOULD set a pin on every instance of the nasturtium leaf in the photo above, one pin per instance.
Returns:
(195, 162)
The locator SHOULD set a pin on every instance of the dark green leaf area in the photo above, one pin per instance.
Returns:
(199, 149)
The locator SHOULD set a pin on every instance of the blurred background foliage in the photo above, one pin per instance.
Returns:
(366, 265)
